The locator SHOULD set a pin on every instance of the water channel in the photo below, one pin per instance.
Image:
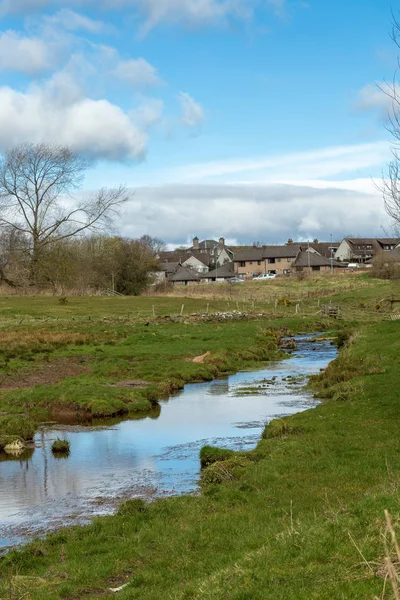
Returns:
(154, 456)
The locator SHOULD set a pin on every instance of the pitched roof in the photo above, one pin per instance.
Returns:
(205, 245)
(248, 254)
(224, 271)
(288, 251)
(306, 259)
(168, 267)
(323, 248)
(179, 256)
(182, 273)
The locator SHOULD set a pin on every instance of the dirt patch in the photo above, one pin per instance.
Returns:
(201, 358)
(45, 373)
(130, 383)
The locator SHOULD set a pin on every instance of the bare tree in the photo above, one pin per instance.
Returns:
(391, 181)
(36, 186)
(154, 244)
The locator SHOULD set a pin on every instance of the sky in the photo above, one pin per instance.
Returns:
(256, 120)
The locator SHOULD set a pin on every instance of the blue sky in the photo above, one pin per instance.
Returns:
(253, 119)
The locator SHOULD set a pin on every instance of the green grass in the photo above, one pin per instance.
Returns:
(283, 522)
(60, 446)
(287, 521)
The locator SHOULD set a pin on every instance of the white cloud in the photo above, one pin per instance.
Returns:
(138, 72)
(376, 96)
(73, 21)
(24, 54)
(171, 212)
(154, 12)
(58, 112)
(148, 113)
(192, 111)
(192, 12)
(314, 164)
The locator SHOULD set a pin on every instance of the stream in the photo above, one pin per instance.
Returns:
(157, 455)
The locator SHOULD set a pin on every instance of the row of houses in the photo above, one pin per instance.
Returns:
(211, 260)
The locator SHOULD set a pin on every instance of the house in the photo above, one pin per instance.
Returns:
(361, 250)
(310, 261)
(218, 251)
(199, 262)
(326, 249)
(184, 276)
(267, 259)
(220, 274)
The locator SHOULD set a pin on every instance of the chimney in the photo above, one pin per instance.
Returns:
(221, 242)
(315, 241)
(195, 243)
(290, 241)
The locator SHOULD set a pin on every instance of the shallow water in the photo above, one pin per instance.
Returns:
(153, 456)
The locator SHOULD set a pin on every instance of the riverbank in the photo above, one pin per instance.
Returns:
(148, 457)
(88, 371)
(301, 517)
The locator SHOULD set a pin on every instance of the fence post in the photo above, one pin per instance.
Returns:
(182, 307)
(154, 311)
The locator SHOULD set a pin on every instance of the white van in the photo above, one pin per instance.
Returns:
(353, 265)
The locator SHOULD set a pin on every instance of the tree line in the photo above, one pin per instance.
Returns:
(53, 237)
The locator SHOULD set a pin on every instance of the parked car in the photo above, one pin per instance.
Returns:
(265, 276)
(236, 280)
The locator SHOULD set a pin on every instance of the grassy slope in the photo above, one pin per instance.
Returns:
(280, 529)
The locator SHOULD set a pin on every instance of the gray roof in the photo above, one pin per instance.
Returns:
(205, 245)
(168, 267)
(224, 271)
(179, 256)
(248, 254)
(305, 259)
(287, 251)
(182, 273)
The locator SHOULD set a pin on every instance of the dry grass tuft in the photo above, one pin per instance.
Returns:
(389, 567)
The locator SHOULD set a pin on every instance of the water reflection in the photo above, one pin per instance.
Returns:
(156, 454)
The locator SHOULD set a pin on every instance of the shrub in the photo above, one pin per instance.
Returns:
(60, 446)
(284, 301)
(210, 455)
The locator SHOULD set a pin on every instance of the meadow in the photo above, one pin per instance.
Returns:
(301, 516)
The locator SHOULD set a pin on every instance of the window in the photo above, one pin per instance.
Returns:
(259, 262)
(251, 262)
(278, 260)
(289, 260)
(242, 263)
(316, 268)
(271, 261)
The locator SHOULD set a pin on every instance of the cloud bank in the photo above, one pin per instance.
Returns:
(270, 213)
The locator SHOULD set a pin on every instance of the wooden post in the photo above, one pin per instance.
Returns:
(252, 307)
(154, 311)
(209, 306)
(237, 305)
(182, 307)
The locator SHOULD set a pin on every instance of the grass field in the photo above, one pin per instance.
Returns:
(300, 517)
